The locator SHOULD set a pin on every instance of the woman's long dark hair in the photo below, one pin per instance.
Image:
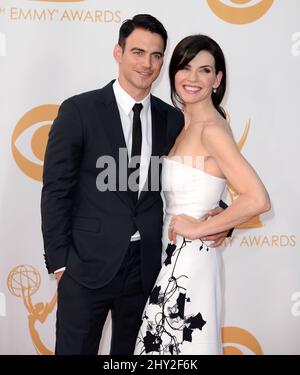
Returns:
(184, 52)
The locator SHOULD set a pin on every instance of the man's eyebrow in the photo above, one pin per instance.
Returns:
(137, 49)
(142, 50)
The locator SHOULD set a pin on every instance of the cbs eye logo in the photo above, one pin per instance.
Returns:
(237, 341)
(31, 136)
(241, 11)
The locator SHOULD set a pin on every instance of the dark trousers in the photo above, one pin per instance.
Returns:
(81, 312)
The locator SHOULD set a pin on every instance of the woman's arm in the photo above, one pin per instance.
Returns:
(252, 200)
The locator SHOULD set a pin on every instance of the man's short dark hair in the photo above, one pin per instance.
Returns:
(142, 21)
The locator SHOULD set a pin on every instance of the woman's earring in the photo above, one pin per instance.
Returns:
(214, 90)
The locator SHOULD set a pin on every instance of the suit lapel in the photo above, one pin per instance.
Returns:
(159, 125)
(111, 122)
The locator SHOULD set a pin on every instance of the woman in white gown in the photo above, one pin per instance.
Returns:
(183, 312)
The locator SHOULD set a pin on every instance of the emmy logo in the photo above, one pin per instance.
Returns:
(254, 222)
(23, 281)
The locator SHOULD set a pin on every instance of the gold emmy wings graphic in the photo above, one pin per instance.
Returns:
(254, 222)
(241, 11)
(232, 336)
(23, 281)
(43, 113)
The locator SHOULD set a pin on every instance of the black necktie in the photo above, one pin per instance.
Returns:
(136, 144)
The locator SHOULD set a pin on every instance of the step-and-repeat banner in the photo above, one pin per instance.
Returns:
(53, 49)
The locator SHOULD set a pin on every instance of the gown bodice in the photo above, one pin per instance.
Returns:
(188, 190)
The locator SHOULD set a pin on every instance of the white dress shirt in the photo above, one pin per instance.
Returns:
(125, 103)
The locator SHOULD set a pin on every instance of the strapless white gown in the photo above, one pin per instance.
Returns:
(183, 312)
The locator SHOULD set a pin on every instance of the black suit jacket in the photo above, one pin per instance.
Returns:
(86, 230)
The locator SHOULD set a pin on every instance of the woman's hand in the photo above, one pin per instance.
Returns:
(217, 238)
(185, 226)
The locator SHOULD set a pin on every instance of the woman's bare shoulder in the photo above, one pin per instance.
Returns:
(217, 127)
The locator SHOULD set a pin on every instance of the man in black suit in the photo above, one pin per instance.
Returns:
(107, 242)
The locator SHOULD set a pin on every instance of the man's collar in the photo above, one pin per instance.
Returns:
(125, 101)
